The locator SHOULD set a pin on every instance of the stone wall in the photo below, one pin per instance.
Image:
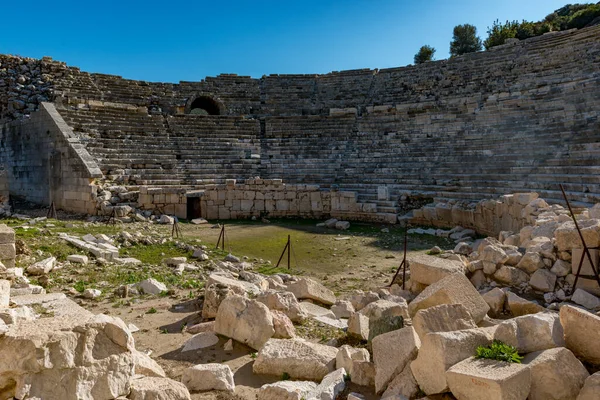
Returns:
(165, 200)
(510, 212)
(45, 162)
(273, 198)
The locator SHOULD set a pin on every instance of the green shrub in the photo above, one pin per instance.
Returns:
(583, 17)
(499, 351)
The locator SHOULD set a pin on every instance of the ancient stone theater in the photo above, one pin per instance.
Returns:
(358, 145)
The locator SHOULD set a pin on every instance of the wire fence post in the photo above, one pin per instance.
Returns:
(288, 247)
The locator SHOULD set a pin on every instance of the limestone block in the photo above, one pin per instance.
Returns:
(205, 377)
(245, 320)
(347, 355)
(429, 269)
(474, 379)
(7, 234)
(342, 309)
(284, 328)
(237, 285)
(146, 366)
(531, 262)
(442, 318)
(313, 310)
(364, 373)
(151, 286)
(384, 316)
(591, 388)
(285, 302)
(567, 237)
(556, 374)
(532, 332)
(519, 306)
(305, 288)
(158, 389)
(561, 268)
(298, 358)
(90, 355)
(496, 299)
(392, 352)
(582, 333)
(453, 289)
(330, 387)
(78, 259)
(543, 280)
(403, 386)
(286, 390)
(4, 293)
(441, 350)
(585, 299)
(511, 276)
(42, 267)
(358, 326)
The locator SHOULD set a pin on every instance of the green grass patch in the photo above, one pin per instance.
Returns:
(499, 351)
(154, 254)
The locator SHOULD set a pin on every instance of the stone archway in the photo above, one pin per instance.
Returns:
(204, 105)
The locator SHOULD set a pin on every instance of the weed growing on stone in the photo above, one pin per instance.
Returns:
(499, 351)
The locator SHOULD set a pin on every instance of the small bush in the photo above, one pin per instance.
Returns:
(499, 351)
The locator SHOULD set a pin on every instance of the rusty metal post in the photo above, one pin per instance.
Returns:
(404, 262)
(287, 247)
(586, 250)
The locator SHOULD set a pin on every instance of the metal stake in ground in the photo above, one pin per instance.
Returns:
(52, 212)
(221, 240)
(112, 217)
(288, 248)
(586, 249)
(176, 231)
(404, 263)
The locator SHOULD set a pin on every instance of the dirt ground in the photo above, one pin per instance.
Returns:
(364, 257)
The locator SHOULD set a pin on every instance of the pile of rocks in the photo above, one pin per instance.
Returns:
(418, 342)
(540, 260)
(23, 85)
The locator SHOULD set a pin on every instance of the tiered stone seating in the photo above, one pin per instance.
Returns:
(212, 149)
(517, 118)
(159, 151)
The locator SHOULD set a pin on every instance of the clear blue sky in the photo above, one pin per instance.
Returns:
(172, 41)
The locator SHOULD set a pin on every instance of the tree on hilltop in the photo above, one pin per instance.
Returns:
(465, 40)
(425, 54)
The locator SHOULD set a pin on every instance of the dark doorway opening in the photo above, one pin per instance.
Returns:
(205, 106)
(194, 209)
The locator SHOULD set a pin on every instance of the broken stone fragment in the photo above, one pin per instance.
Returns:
(441, 350)
(158, 388)
(427, 269)
(442, 318)
(298, 358)
(205, 377)
(478, 379)
(392, 352)
(582, 333)
(532, 332)
(305, 288)
(454, 289)
(245, 320)
(555, 374)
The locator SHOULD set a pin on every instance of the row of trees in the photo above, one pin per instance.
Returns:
(465, 39)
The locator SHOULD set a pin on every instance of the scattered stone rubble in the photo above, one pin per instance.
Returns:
(421, 340)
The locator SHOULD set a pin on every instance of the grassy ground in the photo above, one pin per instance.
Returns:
(342, 259)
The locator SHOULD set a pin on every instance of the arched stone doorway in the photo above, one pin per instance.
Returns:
(204, 105)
